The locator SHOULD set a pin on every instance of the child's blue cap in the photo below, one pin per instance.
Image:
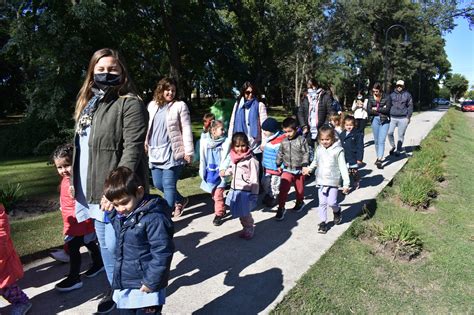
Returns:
(270, 124)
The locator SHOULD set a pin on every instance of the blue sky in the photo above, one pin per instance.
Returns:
(460, 49)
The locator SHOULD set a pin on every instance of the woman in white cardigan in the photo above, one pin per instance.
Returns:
(169, 142)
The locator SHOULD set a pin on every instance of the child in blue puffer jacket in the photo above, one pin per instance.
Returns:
(145, 246)
(272, 176)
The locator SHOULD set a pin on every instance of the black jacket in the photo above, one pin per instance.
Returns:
(402, 104)
(144, 246)
(384, 108)
(353, 144)
(324, 110)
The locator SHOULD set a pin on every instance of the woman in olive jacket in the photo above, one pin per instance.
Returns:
(111, 124)
(379, 105)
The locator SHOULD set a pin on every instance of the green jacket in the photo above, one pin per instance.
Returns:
(116, 139)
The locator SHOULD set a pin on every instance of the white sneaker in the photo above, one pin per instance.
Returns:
(60, 255)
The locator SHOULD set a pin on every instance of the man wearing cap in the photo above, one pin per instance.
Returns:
(400, 115)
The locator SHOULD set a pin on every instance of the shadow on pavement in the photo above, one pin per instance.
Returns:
(51, 301)
(231, 255)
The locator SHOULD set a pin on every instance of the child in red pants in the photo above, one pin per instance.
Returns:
(213, 152)
(293, 156)
(11, 269)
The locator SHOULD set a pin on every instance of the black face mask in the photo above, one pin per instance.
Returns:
(106, 80)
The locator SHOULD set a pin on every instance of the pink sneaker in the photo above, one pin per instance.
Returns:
(247, 233)
(179, 207)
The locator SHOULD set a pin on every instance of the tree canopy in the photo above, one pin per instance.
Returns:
(212, 47)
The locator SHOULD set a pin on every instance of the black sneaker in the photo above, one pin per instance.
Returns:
(94, 271)
(392, 151)
(106, 305)
(217, 220)
(337, 217)
(322, 228)
(299, 205)
(280, 214)
(69, 284)
(379, 165)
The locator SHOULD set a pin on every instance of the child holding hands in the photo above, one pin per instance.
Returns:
(353, 143)
(293, 156)
(76, 234)
(145, 246)
(213, 151)
(271, 177)
(243, 194)
(330, 165)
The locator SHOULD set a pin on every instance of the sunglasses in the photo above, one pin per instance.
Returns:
(248, 92)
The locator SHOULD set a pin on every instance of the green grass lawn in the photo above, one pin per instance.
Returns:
(37, 178)
(353, 277)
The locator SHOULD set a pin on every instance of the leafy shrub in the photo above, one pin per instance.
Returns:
(403, 236)
(415, 189)
(10, 194)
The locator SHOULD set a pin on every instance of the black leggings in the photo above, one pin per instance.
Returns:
(74, 246)
(361, 123)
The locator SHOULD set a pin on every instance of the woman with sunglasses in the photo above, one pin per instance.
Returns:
(379, 108)
(248, 116)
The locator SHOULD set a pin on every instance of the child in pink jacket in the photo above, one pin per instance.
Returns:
(243, 194)
(11, 269)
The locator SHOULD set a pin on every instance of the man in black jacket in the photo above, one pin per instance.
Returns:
(314, 110)
(400, 115)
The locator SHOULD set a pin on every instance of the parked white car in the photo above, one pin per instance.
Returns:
(441, 101)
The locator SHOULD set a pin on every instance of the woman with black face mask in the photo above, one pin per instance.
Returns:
(110, 132)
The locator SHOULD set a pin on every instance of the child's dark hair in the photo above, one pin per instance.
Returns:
(325, 129)
(351, 119)
(240, 137)
(63, 151)
(290, 122)
(120, 183)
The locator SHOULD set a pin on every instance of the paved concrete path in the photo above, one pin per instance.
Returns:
(215, 272)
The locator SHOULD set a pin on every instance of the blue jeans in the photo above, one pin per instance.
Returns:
(165, 180)
(106, 236)
(380, 133)
(402, 124)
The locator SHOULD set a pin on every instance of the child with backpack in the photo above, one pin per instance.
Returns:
(76, 234)
(145, 245)
(293, 156)
(353, 144)
(213, 151)
(11, 269)
(330, 165)
(271, 178)
(243, 194)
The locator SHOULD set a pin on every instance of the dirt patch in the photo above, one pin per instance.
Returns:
(32, 207)
(392, 250)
